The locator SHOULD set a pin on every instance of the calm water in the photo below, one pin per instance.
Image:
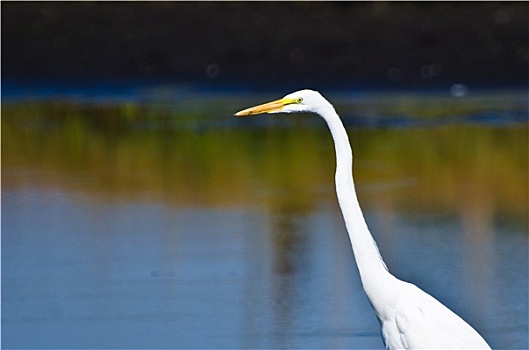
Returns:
(163, 222)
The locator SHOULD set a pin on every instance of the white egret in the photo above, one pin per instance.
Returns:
(409, 317)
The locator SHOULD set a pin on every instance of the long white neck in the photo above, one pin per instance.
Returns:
(373, 272)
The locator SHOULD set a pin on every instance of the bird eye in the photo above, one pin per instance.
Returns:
(300, 99)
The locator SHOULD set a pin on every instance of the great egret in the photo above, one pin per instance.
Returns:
(409, 317)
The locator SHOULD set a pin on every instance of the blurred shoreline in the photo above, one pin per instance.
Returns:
(135, 90)
(265, 45)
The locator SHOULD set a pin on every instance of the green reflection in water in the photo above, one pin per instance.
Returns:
(196, 154)
(188, 154)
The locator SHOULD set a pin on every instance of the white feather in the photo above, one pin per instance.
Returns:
(409, 317)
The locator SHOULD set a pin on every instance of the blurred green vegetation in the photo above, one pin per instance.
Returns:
(187, 155)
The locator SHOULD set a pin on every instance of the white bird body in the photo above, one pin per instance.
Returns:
(416, 320)
(409, 317)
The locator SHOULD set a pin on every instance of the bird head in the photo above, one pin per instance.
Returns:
(307, 101)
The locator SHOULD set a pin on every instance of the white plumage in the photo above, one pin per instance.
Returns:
(409, 317)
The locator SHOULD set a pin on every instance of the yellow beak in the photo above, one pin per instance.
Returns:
(270, 107)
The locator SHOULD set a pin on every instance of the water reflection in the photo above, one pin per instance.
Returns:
(160, 225)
